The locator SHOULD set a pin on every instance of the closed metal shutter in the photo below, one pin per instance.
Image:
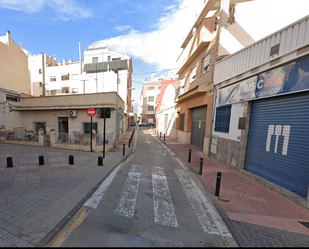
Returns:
(278, 141)
(198, 126)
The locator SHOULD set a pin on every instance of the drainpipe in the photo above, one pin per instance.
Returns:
(80, 58)
(43, 73)
(212, 118)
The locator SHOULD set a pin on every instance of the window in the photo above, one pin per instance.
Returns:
(52, 78)
(181, 121)
(206, 64)
(151, 88)
(150, 98)
(39, 125)
(53, 92)
(274, 49)
(87, 127)
(65, 77)
(159, 88)
(109, 58)
(74, 76)
(223, 115)
(95, 59)
(193, 74)
(65, 89)
(150, 108)
(116, 59)
(40, 71)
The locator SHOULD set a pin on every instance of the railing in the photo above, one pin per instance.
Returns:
(20, 136)
(74, 141)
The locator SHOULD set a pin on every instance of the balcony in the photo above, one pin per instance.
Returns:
(201, 38)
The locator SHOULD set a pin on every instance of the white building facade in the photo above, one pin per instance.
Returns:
(103, 70)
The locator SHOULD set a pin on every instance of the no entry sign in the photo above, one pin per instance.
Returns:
(91, 112)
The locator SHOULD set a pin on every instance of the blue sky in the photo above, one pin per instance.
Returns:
(149, 31)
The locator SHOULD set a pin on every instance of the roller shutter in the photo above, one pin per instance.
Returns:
(278, 141)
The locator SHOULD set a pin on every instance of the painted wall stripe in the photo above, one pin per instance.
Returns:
(164, 212)
(209, 219)
(128, 198)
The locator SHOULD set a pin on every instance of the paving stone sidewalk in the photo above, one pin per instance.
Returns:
(36, 201)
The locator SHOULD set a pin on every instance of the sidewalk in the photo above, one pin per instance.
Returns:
(255, 215)
(36, 201)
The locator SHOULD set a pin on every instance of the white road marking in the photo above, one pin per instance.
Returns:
(164, 212)
(148, 141)
(127, 201)
(209, 219)
(95, 199)
(161, 150)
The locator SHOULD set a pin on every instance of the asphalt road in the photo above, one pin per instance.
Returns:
(151, 199)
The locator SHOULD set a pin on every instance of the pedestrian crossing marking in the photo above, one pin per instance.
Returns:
(128, 198)
(164, 212)
(95, 199)
(210, 221)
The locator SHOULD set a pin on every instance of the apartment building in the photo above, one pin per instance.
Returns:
(150, 91)
(61, 104)
(165, 107)
(261, 115)
(12, 60)
(101, 71)
(221, 28)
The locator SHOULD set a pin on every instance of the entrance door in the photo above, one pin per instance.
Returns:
(63, 128)
(198, 126)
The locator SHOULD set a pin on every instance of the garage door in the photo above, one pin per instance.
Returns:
(278, 141)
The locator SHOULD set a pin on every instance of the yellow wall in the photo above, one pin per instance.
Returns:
(13, 67)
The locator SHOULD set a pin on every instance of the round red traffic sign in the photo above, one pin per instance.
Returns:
(91, 112)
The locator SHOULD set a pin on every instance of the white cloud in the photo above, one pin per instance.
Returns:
(161, 47)
(63, 9)
(122, 28)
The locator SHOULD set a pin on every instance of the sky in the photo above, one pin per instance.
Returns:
(150, 31)
(146, 30)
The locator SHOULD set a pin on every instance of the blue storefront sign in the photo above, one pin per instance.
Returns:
(293, 77)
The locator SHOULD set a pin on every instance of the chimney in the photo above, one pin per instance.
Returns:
(64, 61)
(70, 60)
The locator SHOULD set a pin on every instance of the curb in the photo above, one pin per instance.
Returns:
(236, 235)
(61, 224)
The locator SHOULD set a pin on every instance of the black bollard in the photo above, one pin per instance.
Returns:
(71, 159)
(160, 134)
(100, 161)
(124, 150)
(41, 160)
(218, 183)
(201, 166)
(164, 136)
(189, 157)
(129, 142)
(9, 162)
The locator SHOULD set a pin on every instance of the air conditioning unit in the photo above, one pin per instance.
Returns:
(72, 113)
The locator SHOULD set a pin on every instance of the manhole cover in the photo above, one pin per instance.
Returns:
(306, 224)
(223, 199)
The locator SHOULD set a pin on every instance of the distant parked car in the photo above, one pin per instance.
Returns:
(132, 123)
(146, 125)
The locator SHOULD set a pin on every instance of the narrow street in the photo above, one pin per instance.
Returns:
(151, 199)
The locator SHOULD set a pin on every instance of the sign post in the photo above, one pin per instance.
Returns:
(105, 113)
(91, 113)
